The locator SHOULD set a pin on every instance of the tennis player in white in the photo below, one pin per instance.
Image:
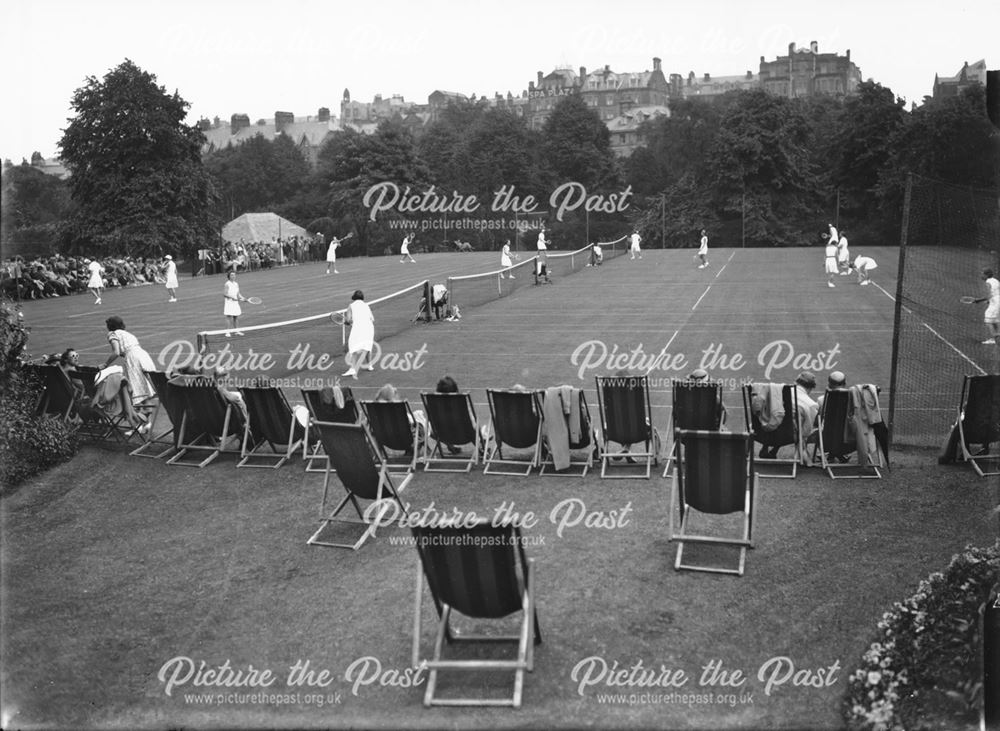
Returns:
(992, 315)
(331, 255)
(864, 265)
(404, 250)
(843, 255)
(634, 250)
(506, 258)
(703, 250)
(171, 277)
(96, 282)
(361, 341)
(542, 241)
(830, 262)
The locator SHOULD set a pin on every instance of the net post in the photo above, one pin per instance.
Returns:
(898, 305)
(427, 299)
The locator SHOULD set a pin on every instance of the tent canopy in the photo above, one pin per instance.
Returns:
(261, 227)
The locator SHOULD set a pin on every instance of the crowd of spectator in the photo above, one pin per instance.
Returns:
(57, 275)
(251, 256)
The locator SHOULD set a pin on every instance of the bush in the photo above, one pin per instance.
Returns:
(29, 444)
(924, 669)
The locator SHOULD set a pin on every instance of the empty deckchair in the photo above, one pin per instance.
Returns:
(979, 423)
(207, 420)
(715, 477)
(356, 459)
(515, 424)
(578, 442)
(697, 405)
(162, 444)
(481, 573)
(323, 406)
(395, 429)
(836, 438)
(452, 423)
(626, 421)
(759, 410)
(271, 424)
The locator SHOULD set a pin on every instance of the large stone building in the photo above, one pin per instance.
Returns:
(969, 75)
(806, 71)
(308, 133)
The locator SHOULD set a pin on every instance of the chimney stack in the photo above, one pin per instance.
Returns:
(708, 77)
(539, 78)
(814, 46)
(238, 122)
(791, 48)
(324, 114)
(583, 73)
(283, 120)
(656, 63)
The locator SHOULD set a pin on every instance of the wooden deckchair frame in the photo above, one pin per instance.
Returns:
(643, 432)
(495, 441)
(451, 421)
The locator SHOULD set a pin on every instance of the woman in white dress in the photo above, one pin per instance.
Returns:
(843, 255)
(830, 263)
(171, 278)
(507, 258)
(331, 255)
(703, 249)
(231, 309)
(96, 282)
(404, 249)
(137, 361)
(361, 341)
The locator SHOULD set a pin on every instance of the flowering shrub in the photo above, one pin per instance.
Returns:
(29, 444)
(926, 662)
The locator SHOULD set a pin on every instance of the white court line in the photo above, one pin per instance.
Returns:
(702, 296)
(935, 333)
(731, 255)
(663, 352)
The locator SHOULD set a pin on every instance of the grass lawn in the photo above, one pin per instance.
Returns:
(114, 566)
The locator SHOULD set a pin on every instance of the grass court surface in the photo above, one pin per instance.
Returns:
(115, 565)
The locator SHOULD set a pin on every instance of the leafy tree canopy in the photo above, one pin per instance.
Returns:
(136, 171)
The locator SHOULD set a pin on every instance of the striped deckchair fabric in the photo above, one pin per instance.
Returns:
(715, 477)
(626, 421)
(482, 573)
(395, 431)
(357, 461)
(452, 423)
(271, 424)
(516, 424)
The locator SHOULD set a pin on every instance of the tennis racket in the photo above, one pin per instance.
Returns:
(255, 301)
(339, 317)
(967, 300)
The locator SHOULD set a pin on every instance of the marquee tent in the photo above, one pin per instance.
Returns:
(263, 227)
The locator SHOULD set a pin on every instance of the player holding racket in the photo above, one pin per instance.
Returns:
(992, 315)
(331, 252)
(507, 258)
(231, 309)
(361, 341)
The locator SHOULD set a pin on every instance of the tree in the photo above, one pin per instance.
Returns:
(136, 172)
(576, 146)
(34, 204)
(257, 175)
(762, 169)
(351, 163)
(863, 147)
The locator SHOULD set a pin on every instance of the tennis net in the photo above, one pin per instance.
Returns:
(476, 289)
(307, 344)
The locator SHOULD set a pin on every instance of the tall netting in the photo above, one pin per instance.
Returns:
(949, 235)
(308, 344)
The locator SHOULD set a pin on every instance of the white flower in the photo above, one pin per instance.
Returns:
(874, 677)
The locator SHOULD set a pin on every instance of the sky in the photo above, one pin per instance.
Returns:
(256, 58)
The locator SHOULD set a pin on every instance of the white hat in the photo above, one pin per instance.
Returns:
(169, 257)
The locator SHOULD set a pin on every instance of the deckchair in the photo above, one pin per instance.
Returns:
(785, 433)
(515, 423)
(322, 407)
(357, 460)
(979, 422)
(695, 407)
(586, 441)
(451, 421)
(271, 424)
(165, 440)
(207, 421)
(480, 572)
(836, 439)
(57, 397)
(715, 477)
(396, 431)
(626, 420)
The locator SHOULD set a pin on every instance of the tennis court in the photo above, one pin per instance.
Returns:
(752, 314)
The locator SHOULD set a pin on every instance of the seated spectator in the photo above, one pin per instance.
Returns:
(447, 384)
(805, 384)
(389, 393)
(836, 381)
(700, 375)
